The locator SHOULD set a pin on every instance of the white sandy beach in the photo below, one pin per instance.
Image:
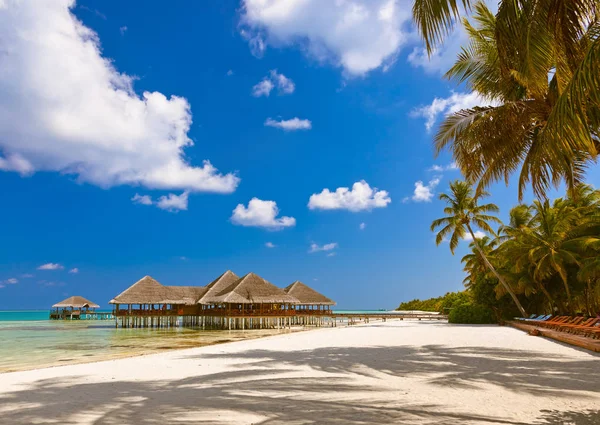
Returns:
(396, 372)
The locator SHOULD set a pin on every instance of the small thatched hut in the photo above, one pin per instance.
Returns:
(72, 307)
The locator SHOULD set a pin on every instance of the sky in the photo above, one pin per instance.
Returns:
(291, 138)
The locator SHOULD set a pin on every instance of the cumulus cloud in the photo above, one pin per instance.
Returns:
(74, 270)
(449, 105)
(230, 73)
(263, 88)
(142, 199)
(423, 192)
(360, 198)
(270, 245)
(261, 213)
(284, 85)
(64, 107)
(362, 226)
(478, 234)
(173, 203)
(357, 35)
(51, 266)
(289, 125)
(123, 29)
(327, 247)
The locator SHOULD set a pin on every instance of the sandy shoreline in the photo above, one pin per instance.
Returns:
(395, 372)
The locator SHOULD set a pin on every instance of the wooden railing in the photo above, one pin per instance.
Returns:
(220, 312)
(147, 313)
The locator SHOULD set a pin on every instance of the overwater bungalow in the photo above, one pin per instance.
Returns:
(228, 302)
(72, 308)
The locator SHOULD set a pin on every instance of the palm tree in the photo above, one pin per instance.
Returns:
(473, 262)
(545, 128)
(463, 209)
(552, 245)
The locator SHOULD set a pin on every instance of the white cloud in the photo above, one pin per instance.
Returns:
(440, 168)
(357, 35)
(331, 254)
(261, 213)
(289, 125)
(284, 84)
(478, 234)
(230, 73)
(422, 192)
(74, 270)
(263, 88)
(123, 29)
(362, 197)
(327, 247)
(270, 245)
(444, 57)
(89, 121)
(449, 105)
(183, 258)
(10, 281)
(173, 203)
(362, 226)
(141, 199)
(51, 266)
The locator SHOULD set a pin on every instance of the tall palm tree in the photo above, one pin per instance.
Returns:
(473, 262)
(514, 251)
(462, 210)
(547, 129)
(552, 245)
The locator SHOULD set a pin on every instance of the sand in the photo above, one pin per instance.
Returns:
(406, 372)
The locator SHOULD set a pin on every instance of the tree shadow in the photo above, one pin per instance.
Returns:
(309, 387)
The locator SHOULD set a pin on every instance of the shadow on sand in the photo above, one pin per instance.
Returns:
(255, 387)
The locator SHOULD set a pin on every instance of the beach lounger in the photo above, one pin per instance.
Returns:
(554, 321)
(587, 325)
(562, 320)
(578, 324)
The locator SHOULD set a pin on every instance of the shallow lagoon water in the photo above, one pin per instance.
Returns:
(30, 344)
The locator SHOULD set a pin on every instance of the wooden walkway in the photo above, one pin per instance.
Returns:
(577, 340)
(352, 318)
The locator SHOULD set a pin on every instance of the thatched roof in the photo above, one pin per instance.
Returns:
(217, 286)
(188, 295)
(253, 289)
(76, 302)
(145, 291)
(306, 295)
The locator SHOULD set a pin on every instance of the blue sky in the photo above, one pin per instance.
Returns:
(103, 184)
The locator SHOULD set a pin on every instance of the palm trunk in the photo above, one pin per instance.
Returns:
(547, 294)
(493, 270)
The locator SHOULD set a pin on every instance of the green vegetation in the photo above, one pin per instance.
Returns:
(538, 64)
(472, 314)
(547, 256)
(462, 210)
(439, 304)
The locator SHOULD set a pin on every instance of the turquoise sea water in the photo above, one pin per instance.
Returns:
(29, 340)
